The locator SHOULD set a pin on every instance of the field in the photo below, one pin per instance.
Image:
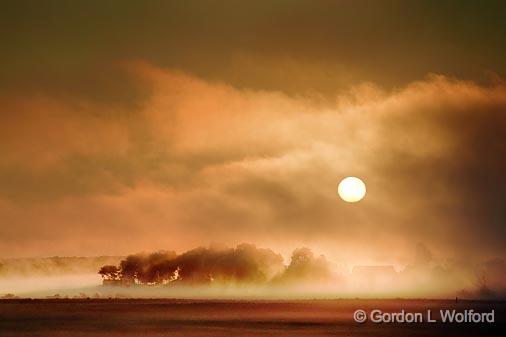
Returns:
(157, 317)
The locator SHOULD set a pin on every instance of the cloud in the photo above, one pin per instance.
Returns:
(203, 157)
(292, 47)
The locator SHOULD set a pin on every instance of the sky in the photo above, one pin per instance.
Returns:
(137, 126)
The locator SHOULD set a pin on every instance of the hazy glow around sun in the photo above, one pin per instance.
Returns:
(351, 189)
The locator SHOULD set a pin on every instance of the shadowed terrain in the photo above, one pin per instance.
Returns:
(126, 317)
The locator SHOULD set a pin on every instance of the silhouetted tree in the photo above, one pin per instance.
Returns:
(109, 272)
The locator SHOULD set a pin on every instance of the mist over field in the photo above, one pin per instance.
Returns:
(47, 276)
(247, 272)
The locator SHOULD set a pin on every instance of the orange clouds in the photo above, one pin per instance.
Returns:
(43, 129)
(201, 161)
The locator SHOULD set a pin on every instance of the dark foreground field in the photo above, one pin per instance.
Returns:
(230, 318)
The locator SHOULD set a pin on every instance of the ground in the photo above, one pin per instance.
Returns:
(173, 318)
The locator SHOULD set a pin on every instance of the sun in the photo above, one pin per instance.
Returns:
(351, 189)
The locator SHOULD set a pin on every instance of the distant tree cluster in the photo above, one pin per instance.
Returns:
(110, 272)
(243, 264)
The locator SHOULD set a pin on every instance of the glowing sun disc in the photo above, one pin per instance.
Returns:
(351, 189)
